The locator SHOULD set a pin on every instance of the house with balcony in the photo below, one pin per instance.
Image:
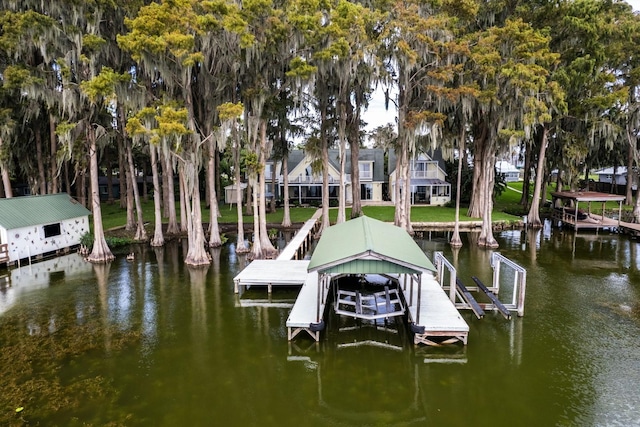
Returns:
(305, 182)
(427, 184)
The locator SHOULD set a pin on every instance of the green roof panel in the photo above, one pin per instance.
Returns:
(385, 248)
(19, 212)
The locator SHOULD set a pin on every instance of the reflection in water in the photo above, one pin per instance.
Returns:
(152, 342)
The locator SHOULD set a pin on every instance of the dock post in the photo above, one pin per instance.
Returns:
(496, 275)
(521, 291)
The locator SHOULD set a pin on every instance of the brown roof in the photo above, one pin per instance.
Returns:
(587, 196)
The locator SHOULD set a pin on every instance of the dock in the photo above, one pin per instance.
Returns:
(366, 248)
(435, 319)
(301, 242)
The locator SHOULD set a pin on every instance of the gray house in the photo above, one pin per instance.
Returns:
(305, 183)
(33, 226)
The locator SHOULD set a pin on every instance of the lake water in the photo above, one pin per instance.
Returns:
(153, 343)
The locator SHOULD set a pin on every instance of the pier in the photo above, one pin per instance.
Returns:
(368, 253)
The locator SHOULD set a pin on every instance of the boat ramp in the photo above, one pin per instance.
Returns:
(358, 253)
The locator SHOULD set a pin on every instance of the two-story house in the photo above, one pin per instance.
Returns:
(428, 183)
(305, 182)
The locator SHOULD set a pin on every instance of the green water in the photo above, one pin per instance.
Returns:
(152, 343)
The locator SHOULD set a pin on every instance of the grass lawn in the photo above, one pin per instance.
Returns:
(113, 216)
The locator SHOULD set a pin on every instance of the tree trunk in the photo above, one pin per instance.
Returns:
(342, 139)
(488, 162)
(268, 250)
(274, 188)
(53, 169)
(158, 237)
(456, 241)
(354, 145)
(100, 252)
(256, 248)
(215, 240)
(42, 185)
(6, 181)
(524, 199)
(286, 215)
(241, 246)
(478, 194)
(109, 173)
(184, 226)
(533, 217)
(188, 174)
(131, 183)
(630, 161)
(325, 172)
(123, 173)
(141, 234)
(170, 200)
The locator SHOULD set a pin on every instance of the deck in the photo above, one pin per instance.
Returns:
(300, 243)
(307, 314)
(271, 272)
(433, 314)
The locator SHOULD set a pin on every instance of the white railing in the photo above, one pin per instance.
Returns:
(424, 174)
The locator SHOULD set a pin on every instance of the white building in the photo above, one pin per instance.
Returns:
(32, 226)
(428, 181)
(508, 171)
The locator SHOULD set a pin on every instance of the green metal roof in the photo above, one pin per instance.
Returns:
(18, 212)
(367, 246)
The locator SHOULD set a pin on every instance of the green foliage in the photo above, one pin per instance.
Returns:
(113, 242)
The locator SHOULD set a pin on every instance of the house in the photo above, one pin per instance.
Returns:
(305, 183)
(33, 226)
(428, 179)
(617, 176)
(508, 171)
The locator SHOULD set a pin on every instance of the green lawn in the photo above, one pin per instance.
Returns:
(113, 216)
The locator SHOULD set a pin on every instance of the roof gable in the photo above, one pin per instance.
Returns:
(18, 212)
(366, 245)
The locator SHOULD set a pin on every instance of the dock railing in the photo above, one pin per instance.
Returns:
(519, 281)
(443, 266)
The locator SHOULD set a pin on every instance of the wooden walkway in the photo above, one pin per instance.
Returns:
(307, 315)
(433, 314)
(301, 242)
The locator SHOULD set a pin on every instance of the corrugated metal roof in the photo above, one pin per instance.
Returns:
(18, 212)
(383, 247)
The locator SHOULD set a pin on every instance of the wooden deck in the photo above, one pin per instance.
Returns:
(433, 314)
(271, 272)
(300, 243)
(307, 314)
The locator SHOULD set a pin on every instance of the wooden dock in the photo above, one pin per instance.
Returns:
(307, 315)
(271, 272)
(301, 242)
(432, 313)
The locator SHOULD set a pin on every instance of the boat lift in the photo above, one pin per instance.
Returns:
(461, 296)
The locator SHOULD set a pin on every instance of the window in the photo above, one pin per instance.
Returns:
(52, 230)
(366, 171)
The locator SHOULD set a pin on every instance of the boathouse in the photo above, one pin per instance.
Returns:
(35, 226)
(574, 209)
(364, 247)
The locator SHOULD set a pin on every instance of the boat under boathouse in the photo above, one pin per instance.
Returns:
(365, 247)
